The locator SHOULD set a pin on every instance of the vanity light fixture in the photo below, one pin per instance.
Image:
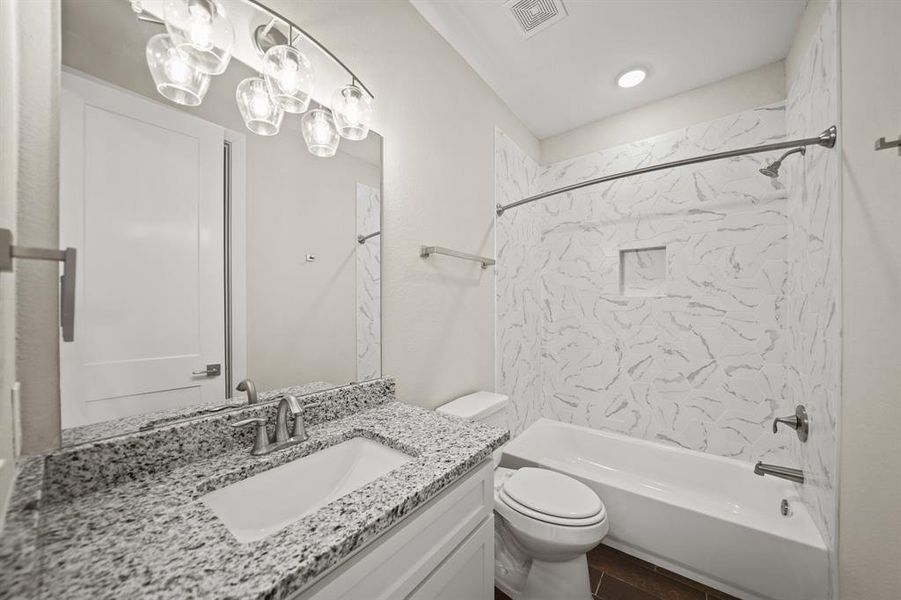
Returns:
(260, 112)
(631, 78)
(353, 112)
(199, 42)
(203, 31)
(174, 72)
(289, 78)
(319, 132)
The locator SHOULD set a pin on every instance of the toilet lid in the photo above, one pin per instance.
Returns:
(553, 494)
(506, 500)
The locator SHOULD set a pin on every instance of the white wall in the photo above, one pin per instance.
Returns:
(804, 37)
(869, 506)
(759, 87)
(438, 119)
(8, 166)
(37, 282)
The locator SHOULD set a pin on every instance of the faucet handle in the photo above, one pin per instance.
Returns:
(261, 440)
(791, 421)
(798, 421)
(300, 427)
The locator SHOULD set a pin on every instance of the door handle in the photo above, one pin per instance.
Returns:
(212, 370)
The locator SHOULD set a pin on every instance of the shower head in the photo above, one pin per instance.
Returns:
(772, 170)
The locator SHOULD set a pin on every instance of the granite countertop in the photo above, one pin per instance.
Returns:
(153, 538)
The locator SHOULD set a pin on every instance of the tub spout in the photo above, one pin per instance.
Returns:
(796, 475)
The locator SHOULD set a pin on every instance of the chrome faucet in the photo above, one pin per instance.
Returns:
(247, 385)
(796, 475)
(263, 443)
(288, 403)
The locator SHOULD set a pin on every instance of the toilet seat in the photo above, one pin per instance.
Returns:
(552, 497)
(546, 518)
(547, 498)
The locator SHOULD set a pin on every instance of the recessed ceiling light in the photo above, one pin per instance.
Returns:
(631, 78)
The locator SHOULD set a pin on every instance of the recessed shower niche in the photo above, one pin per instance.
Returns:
(642, 271)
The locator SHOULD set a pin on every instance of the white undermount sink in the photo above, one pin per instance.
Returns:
(261, 505)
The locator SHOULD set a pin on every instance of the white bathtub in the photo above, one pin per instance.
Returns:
(703, 516)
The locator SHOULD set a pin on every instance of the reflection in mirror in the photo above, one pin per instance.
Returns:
(207, 253)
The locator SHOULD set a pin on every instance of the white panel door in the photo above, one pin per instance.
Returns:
(142, 199)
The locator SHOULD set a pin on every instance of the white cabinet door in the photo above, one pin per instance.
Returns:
(142, 199)
(467, 574)
(395, 565)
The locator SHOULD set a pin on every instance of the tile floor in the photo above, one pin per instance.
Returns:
(618, 576)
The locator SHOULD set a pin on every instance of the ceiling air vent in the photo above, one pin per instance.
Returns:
(535, 15)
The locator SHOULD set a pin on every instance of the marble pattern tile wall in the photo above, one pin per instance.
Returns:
(813, 303)
(643, 272)
(701, 366)
(369, 284)
(517, 284)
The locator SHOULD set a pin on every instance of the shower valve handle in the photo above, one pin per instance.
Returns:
(798, 421)
(791, 421)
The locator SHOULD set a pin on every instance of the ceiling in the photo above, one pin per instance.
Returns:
(565, 76)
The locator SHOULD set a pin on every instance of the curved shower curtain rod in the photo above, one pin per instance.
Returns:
(825, 139)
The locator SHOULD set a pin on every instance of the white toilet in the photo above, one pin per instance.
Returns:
(546, 521)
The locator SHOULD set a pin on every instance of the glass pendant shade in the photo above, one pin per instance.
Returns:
(202, 30)
(289, 75)
(260, 113)
(319, 132)
(174, 73)
(353, 112)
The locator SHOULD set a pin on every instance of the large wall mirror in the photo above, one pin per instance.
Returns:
(207, 252)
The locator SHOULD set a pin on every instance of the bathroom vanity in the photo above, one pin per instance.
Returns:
(132, 516)
(445, 550)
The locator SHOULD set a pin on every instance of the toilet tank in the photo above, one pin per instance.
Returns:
(482, 407)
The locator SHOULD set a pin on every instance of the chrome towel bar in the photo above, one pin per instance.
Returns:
(881, 144)
(66, 282)
(426, 251)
